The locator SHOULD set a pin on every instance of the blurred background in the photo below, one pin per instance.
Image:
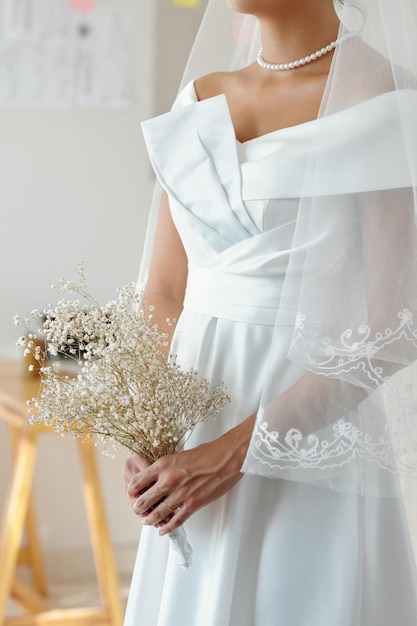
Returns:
(76, 79)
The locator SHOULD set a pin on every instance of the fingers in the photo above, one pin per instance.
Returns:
(151, 491)
(163, 517)
(133, 465)
(148, 501)
(146, 498)
(175, 521)
(142, 481)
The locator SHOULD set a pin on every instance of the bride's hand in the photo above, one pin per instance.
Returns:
(170, 490)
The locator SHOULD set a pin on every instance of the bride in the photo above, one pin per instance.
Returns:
(285, 246)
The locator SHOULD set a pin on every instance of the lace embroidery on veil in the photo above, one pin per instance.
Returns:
(344, 441)
(352, 355)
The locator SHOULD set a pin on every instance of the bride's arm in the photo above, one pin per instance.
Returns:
(342, 371)
(164, 292)
(167, 277)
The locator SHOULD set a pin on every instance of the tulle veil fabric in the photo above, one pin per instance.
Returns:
(350, 292)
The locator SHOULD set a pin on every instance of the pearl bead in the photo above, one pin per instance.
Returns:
(300, 62)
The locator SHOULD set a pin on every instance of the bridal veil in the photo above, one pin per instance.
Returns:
(349, 423)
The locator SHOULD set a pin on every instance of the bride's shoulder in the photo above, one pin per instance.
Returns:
(208, 86)
(205, 87)
(218, 83)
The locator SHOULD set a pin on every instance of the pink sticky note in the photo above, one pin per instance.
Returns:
(85, 6)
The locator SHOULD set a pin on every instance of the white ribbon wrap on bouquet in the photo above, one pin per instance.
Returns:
(179, 543)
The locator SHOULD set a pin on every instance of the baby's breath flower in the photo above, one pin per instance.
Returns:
(125, 391)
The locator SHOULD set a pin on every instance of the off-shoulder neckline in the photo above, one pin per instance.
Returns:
(264, 136)
(285, 129)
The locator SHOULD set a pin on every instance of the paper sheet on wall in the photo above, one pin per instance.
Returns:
(63, 53)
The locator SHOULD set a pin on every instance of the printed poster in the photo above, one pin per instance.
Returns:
(65, 53)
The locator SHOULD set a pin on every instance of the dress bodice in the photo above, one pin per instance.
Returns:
(235, 204)
(228, 191)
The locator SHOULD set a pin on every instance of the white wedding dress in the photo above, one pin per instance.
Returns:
(271, 552)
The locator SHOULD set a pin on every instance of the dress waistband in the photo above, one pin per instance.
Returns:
(240, 297)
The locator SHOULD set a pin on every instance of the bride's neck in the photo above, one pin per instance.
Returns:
(294, 34)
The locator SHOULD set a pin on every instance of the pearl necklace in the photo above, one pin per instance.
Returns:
(304, 60)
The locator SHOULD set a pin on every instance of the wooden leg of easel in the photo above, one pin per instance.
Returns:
(15, 512)
(27, 597)
(100, 536)
(32, 553)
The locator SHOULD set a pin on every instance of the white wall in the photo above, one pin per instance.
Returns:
(176, 28)
(75, 185)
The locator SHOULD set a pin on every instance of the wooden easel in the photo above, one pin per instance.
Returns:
(16, 387)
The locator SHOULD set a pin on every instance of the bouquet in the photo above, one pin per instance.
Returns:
(124, 391)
